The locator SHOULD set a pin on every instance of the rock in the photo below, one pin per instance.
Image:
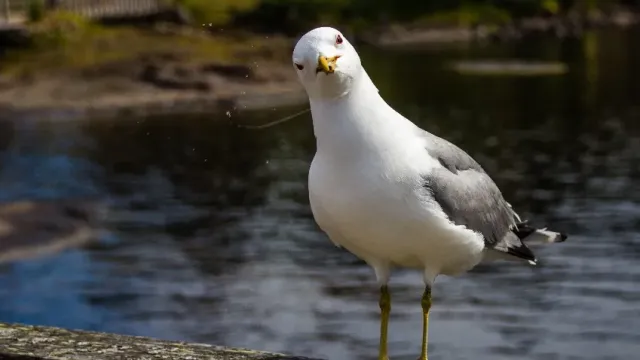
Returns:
(535, 24)
(161, 57)
(560, 29)
(242, 72)
(5, 82)
(512, 68)
(202, 85)
(119, 69)
(40, 343)
(595, 18)
(508, 32)
(178, 77)
(623, 18)
(150, 73)
(183, 72)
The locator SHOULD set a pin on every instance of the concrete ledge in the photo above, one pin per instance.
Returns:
(38, 342)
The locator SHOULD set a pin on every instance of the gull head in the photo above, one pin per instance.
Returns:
(326, 63)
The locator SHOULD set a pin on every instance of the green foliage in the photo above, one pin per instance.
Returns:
(218, 12)
(297, 15)
(59, 28)
(293, 16)
(64, 41)
(467, 15)
(552, 6)
(35, 10)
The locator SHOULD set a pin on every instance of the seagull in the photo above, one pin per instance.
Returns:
(392, 194)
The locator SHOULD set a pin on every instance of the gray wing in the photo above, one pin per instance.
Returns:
(469, 197)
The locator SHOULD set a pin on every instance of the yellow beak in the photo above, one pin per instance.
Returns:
(327, 65)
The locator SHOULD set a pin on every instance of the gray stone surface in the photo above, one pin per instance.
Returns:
(38, 342)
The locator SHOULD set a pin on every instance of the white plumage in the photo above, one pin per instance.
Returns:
(366, 190)
(389, 192)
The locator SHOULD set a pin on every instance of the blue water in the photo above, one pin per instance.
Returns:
(204, 232)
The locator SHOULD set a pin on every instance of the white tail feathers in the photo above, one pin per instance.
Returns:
(544, 236)
(538, 237)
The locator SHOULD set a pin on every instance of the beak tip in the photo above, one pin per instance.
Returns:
(327, 65)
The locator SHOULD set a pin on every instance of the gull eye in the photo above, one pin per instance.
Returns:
(339, 39)
(300, 67)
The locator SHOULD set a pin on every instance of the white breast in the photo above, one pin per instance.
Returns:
(381, 217)
(365, 189)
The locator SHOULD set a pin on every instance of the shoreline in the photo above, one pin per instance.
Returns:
(150, 102)
(151, 107)
(570, 25)
(167, 84)
(151, 86)
(155, 82)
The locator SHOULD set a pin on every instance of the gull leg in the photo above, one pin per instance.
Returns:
(385, 308)
(426, 306)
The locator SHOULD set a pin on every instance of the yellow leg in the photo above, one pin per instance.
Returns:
(385, 308)
(426, 306)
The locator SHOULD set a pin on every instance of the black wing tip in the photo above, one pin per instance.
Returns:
(522, 229)
(523, 253)
(563, 237)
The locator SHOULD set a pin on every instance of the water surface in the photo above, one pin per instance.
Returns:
(207, 234)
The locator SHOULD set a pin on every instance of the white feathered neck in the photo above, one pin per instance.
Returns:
(360, 121)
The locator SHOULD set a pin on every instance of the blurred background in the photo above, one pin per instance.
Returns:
(133, 198)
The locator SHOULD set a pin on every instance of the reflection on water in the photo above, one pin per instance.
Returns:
(208, 235)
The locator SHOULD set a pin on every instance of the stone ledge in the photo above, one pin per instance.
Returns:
(21, 342)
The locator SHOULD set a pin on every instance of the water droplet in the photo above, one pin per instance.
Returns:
(228, 113)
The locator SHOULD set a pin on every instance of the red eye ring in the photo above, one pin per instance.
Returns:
(339, 39)
(300, 67)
